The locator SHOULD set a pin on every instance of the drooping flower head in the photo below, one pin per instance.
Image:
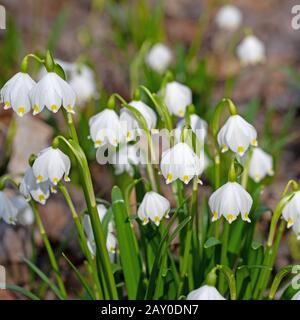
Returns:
(52, 92)
(29, 187)
(130, 124)
(291, 212)
(229, 17)
(159, 57)
(15, 93)
(205, 293)
(105, 127)
(229, 201)
(8, 212)
(261, 165)
(251, 51)
(181, 162)
(51, 164)
(198, 126)
(111, 240)
(237, 135)
(177, 98)
(25, 215)
(153, 207)
(82, 80)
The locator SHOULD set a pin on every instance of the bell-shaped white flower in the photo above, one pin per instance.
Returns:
(198, 126)
(237, 135)
(82, 80)
(229, 201)
(15, 93)
(105, 127)
(29, 187)
(177, 98)
(159, 57)
(153, 207)
(80, 77)
(296, 296)
(251, 51)
(111, 240)
(52, 92)
(25, 215)
(125, 159)
(291, 211)
(261, 165)
(51, 164)
(8, 212)
(229, 17)
(130, 124)
(205, 293)
(181, 162)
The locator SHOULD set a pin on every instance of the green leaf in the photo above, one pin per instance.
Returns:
(130, 259)
(211, 242)
(278, 278)
(24, 292)
(81, 278)
(155, 275)
(42, 275)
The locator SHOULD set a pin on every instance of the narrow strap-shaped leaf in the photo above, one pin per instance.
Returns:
(80, 278)
(162, 250)
(127, 242)
(278, 278)
(26, 293)
(42, 275)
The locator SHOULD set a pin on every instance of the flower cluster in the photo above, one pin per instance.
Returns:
(23, 94)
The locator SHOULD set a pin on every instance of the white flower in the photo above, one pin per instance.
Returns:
(296, 296)
(15, 93)
(229, 201)
(125, 159)
(25, 215)
(52, 92)
(52, 164)
(177, 98)
(205, 293)
(181, 162)
(29, 187)
(261, 165)
(153, 207)
(130, 124)
(80, 77)
(198, 126)
(83, 82)
(291, 212)
(237, 134)
(296, 228)
(229, 17)
(251, 51)
(111, 240)
(105, 127)
(159, 57)
(8, 212)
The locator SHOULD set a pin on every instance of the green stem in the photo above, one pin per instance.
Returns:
(103, 263)
(245, 174)
(70, 122)
(225, 236)
(188, 238)
(49, 249)
(269, 260)
(82, 241)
